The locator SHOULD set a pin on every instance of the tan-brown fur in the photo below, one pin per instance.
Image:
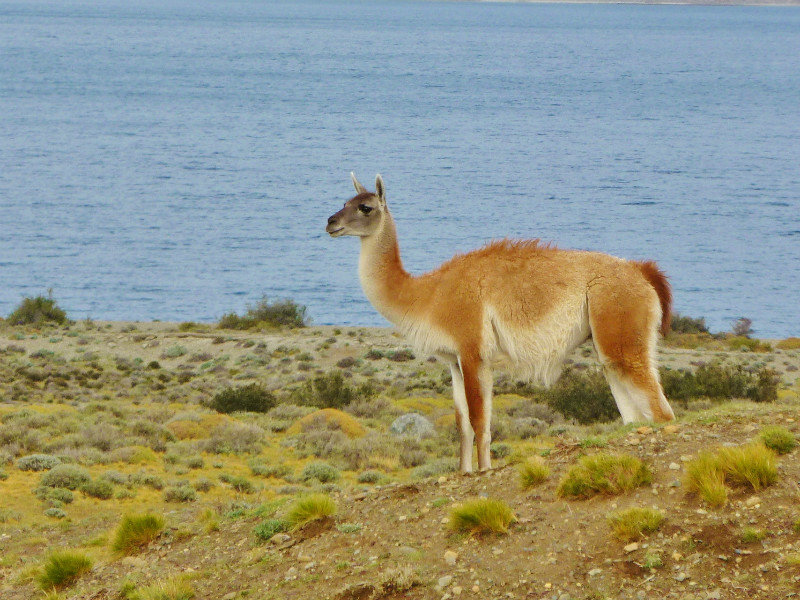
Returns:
(518, 299)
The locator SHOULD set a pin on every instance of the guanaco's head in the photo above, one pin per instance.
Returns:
(362, 214)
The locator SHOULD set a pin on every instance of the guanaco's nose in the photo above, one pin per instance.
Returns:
(331, 219)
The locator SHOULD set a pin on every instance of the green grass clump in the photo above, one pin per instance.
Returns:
(751, 535)
(633, 523)
(238, 483)
(310, 508)
(483, 515)
(38, 462)
(779, 439)
(175, 588)
(751, 465)
(98, 488)
(281, 313)
(65, 476)
(252, 398)
(533, 471)
(63, 568)
(264, 531)
(796, 526)
(136, 531)
(320, 471)
(37, 310)
(706, 479)
(604, 474)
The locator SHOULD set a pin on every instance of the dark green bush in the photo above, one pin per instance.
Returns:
(281, 313)
(684, 324)
(37, 310)
(584, 397)
(253, 398)
(720, 382)
(98, 488)
(330, 391)
(238, 483)
(264, 531)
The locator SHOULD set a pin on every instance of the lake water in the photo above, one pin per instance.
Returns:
(177, 159)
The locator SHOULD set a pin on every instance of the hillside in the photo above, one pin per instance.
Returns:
(127, 403)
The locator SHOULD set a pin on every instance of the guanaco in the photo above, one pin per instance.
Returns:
(522, 302)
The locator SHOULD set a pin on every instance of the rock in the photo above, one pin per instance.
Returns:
(229, 596)
(412, 424)
(675, 483)
(456, 589)
(304, 558)
(644, 430)
(752, 501)
(444, 581)
(631, 547)
(291, 572)
(280, 538)
(450, 557)
(310, 565)
(681, 576)
(670, 429)
(714, 594)
(442, 479)
(595, 571)
(673, 466)
(132, 562)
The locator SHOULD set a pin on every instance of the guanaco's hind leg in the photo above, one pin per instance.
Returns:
(478, 389)
(624, 325)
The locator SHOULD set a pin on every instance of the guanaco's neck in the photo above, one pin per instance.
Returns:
(388, 286)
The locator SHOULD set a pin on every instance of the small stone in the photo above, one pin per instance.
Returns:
(229, 596)
(714, 594)
(407, 550)
(675, 483)
(677, 556)
(310, 565)
(291, 572)
(456, 589)
(304, 558)
(633, 442)
(402, 518)
(753, 501)
(631, 547)
(595, 571)
(673, 466)
(670, 429)
(444, 521)
(444, 581)
(441, 480)
(280, 538)
(644, 430)
(497, 551)
(476, 588)
(450, 557)
(681, 576)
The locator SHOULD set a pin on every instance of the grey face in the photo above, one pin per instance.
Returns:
(361, 214)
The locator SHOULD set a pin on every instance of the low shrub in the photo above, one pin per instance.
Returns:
(180, 493)
(136, 531)
(720, 382)
(328, 418)
(264, 531)
(281, 313)
(238, 483)
(55, 513)
(65, 476)
(583, 396)
(483, 515)
(633, 523)
(319, 471)
(604, 474)
(310, 508)
(98, 488)
(63, 568)
(533, 471)
(234, 437)
(38, 462)
(279, 471)
(685, 324)
(252, 398)
(778, 438)
(790, 343)
(37, 310)
(751, 535)
(326, 391)
(369, 477)
(54, 496)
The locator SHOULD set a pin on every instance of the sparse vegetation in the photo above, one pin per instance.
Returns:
(685, 324)
(751, 535)
(266, 530)
(136, 531)
(266, 314)
(604, 474)
(310, 508)
(63, 568)
(483, 515)
(633, 523)
(174, 588)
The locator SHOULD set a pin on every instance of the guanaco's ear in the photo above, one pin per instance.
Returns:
(359, 188)
(379, 189)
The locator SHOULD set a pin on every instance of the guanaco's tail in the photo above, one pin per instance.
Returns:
(658, 280)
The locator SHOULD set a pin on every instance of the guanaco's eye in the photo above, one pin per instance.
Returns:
(365, 209)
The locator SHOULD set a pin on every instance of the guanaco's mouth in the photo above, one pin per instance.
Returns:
(336, 232)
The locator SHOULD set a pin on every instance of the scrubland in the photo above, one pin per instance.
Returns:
(165, 460)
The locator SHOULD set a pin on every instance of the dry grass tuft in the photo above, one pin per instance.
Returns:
(533, 471)
(704, 478)
(310, 508)
(633, 523)
(482, 516)
(175, 588)
(604, 474)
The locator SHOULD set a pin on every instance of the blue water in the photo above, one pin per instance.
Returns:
(177, 159)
